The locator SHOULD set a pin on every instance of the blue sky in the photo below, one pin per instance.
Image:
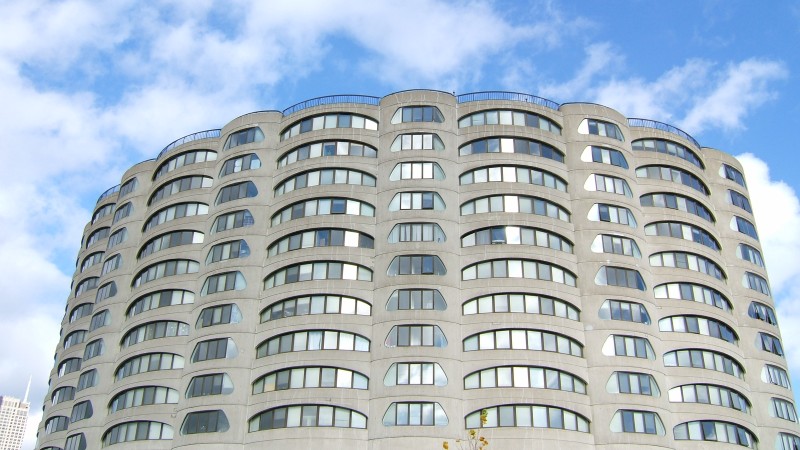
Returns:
(89, 88)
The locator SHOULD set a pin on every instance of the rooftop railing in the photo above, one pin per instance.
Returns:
(510, 96)
(330, 100)
(109, 192)
(189, 138)
(647, 123)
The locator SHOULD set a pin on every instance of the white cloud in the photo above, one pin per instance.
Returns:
(601, 59)
(97, 86)
(180, 66)
(738, 89)
(777, 211)
(34, 417)
(696, 95)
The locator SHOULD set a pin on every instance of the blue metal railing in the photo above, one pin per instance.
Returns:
(330, 100)
(510, 96)
(109, 192)
(189, 138)
(647, 123)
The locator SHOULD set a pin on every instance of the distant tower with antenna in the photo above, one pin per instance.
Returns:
(13, 419)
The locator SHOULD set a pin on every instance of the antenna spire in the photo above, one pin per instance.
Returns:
(28, 389)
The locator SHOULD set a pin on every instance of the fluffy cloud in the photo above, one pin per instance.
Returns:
(777, 212)
(98, 86)
(696, 95)
(738, 89)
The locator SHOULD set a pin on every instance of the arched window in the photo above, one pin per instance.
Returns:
(525, 377)
(631, 421)
(684, 231)
(715, 430)
(245, 136)
(673, 174)
(209, 384)
(619, 276)
(515, 204)
(509, 117)
(668, 148)
(178, 185)
(513, 174)
(408, 299)
(228, 250)
(221, 348)
(624, 310)
(231, 220)
(633, 383)
(415, 414)
(312, 340)
(511, 145)
(732, 174)
(518, 268)
(698, 325)
(416, 336)
(317, 270)
(604, 156)
(184, 159)
(418, 170)
(704, 359)
(220, 282)
(173, 212)
(169, 240)
(692, 292)
(239, 164)
(139, 430)
(523, 339)
(710, 394)
(630, 346)
(520, 303)
(600, 128)
(236, 191)
(159, 299)
(326, 121)
(416, 265)
(143, 396)
(607, 183)
(327, 148)
(163, 269)
(523, 415)
(417, 141)
(148, 362)
(324, 177)
(205, 422)
(415, 373)
(316, 304)
(601, 212)
(321, 237)
(688, 261)
(154, 330)
(417, 200)
(323, 207)
(310, 377)
(307, 416)
(417, 114)
(677, 202)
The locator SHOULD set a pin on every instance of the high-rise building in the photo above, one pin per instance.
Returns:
(13, 418)
(372, 273)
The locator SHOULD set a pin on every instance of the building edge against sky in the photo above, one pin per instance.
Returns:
(373, 272)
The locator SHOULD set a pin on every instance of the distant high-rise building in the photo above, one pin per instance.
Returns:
(13, 418)
(372, 273)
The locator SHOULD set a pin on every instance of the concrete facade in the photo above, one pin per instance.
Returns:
(701, 348)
